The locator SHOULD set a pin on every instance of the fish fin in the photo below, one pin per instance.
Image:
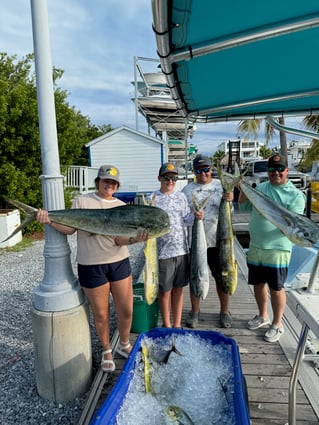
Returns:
(30, 215)
(195, 202)
(144, 200)
(153, 200)
(174, 347)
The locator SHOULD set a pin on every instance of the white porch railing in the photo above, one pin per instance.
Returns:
(81, 178)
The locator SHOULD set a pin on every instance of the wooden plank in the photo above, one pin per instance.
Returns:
(272, 359)
(279, 411)
(266, 370)
(267, 382)
(275, 396)
(280, 422)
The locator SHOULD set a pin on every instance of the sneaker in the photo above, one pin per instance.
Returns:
(225, 320)
(274, 333)
(257, 322)
(192, 320)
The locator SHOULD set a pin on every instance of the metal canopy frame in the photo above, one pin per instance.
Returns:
(198, 55)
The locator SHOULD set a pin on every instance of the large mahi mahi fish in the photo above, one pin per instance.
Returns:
(225, 240)
(150, 272)
(124, 220)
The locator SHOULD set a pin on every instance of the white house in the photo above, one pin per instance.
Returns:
(137, 155)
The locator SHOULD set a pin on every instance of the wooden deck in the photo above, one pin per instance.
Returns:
(266, 367)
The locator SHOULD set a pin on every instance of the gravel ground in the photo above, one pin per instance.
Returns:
(20, 273)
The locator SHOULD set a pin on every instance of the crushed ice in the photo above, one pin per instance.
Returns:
(201, 382)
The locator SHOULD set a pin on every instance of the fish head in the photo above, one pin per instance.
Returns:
(158, 223)
(229, 280)
(305, 237)
(174, 413)
(304, 232)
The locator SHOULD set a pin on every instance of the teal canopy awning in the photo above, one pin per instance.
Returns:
(239, 59)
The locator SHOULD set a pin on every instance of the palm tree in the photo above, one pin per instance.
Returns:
(251, 128)
(312, 123)
(265, 152)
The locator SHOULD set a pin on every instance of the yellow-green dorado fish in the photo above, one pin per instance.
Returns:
(225, 241)
(147, 369)
(150, 272)
(124, 220)
(298, 228)
(174, 415)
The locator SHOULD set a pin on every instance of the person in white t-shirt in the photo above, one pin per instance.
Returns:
(207, 187)
(173, 250)
(104, 266)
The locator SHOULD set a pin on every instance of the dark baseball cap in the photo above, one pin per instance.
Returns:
(202, 161)
(277, 160)
(167, 167)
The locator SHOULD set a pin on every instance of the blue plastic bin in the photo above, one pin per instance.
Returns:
(127, 197)
(106, 415)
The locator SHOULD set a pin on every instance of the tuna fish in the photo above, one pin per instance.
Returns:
(124, 220)
(225, 241)
(199, 272)
(299, 229)
(175, 415)
(150, 272)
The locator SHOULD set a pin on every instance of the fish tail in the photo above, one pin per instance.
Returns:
(228, 185)
(30, 215)
(199, 206)
(174, 347)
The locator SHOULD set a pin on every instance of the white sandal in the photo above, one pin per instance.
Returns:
(122, 349)
(107, 365)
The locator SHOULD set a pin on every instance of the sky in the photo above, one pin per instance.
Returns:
(95, 43)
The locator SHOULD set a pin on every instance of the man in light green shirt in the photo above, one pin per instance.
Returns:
(269, 250)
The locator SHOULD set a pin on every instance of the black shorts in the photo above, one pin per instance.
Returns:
(92, 276)
(213, 263)
(274, 276)
(173, 272)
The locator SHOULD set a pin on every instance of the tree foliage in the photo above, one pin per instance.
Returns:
(20, 153)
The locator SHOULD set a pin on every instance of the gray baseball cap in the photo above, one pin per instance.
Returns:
(109, 172)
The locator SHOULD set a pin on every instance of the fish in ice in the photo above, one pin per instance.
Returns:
(175, 415)
(147, 369)
(298, 228)
(225, 237)
(163, 355)
(150, 271)
(124, 220)
(199, 272)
